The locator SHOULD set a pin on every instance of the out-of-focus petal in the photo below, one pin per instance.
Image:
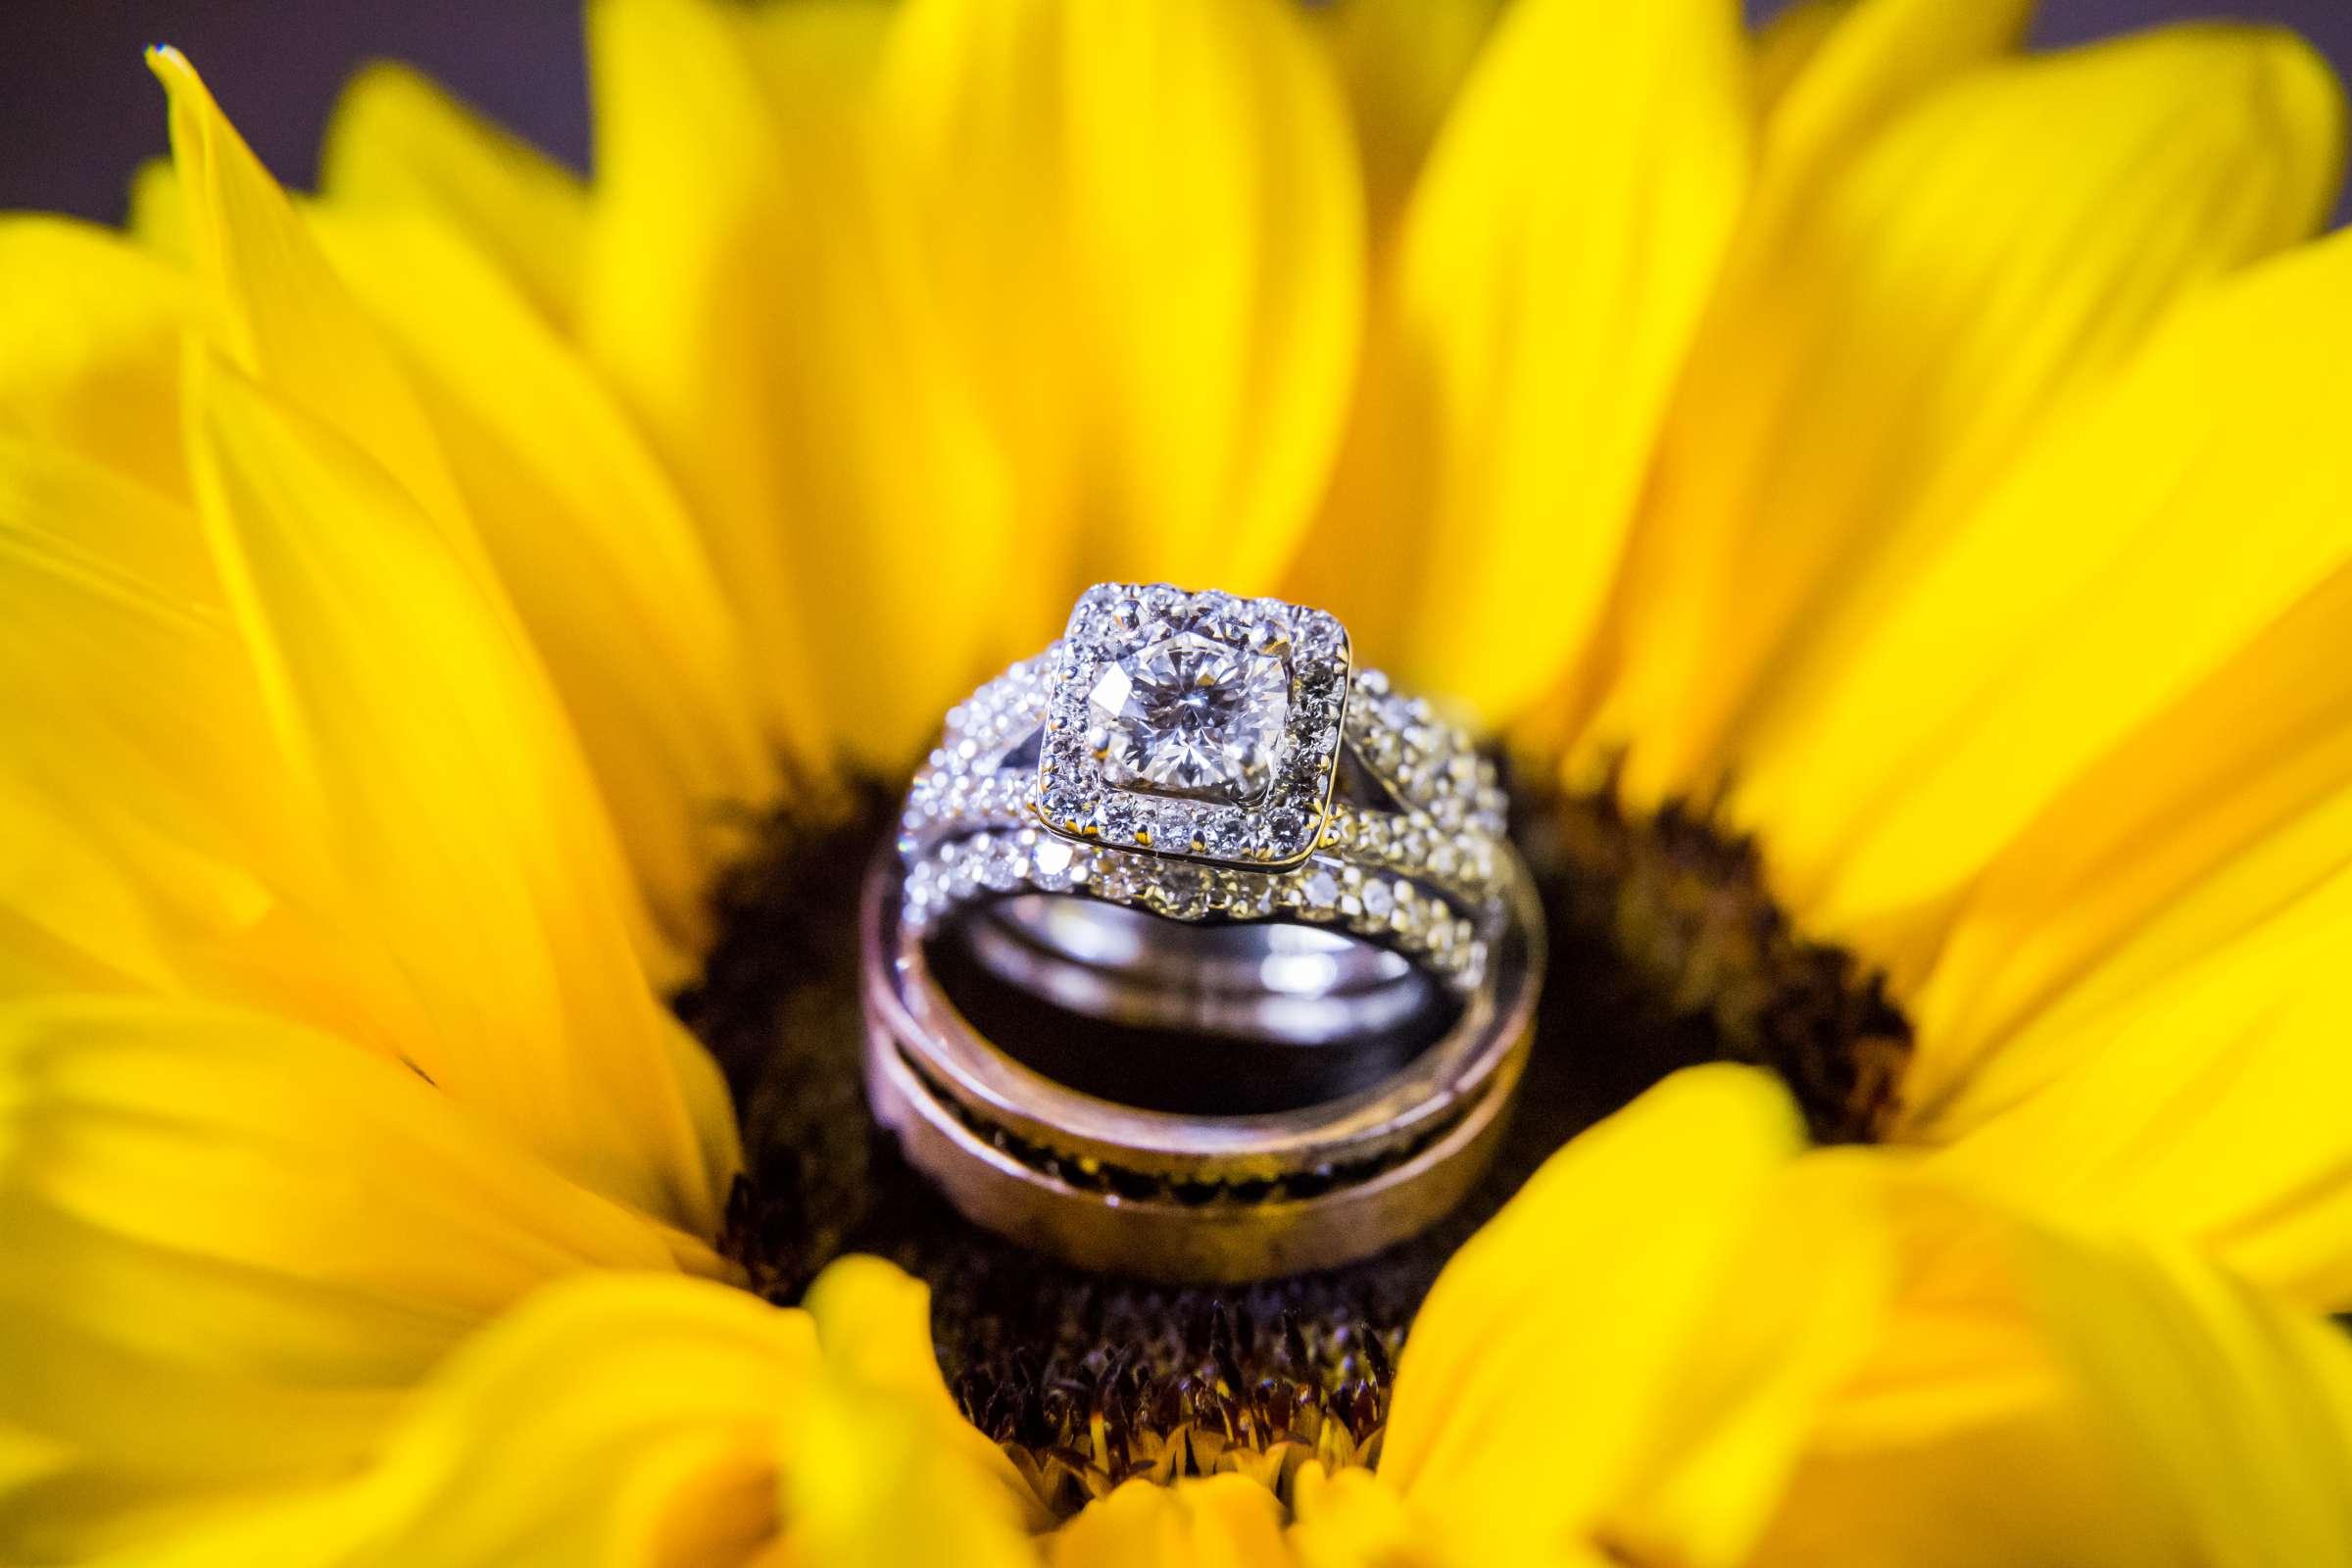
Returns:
(2102, 585)
(2208, 823)
(270, 305)
(2202, 1103)
(851, 507)
(424, 742)
(1655, 1406)
(89, 348)
(1221, 1522)
(1887, 345)
(1551, 272)
(1833, 71)
(234, 1243)
(146, 842)
(594, 547)
(2233, 1413)
(1787, 43)
(269, 300)
(158, 220)
(874, 1322)
(398, 141)
(641, 1420)
(1136, 229)
(1346, 1519)
(2042, 1400)
(1402, 63)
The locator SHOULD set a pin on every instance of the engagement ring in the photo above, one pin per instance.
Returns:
(1200, 954)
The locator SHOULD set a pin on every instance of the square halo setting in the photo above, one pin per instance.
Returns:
(1194, 724)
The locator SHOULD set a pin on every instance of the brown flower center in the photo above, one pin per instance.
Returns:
(1667, 952)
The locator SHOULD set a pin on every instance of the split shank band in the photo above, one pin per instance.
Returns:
(1200, 954)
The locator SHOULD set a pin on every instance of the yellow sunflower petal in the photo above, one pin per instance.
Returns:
(875, 1325)
(876, 1320)
(610, 1420)
(1402, 62)
(2036, 1400)
(2197, 829)
(1830, 72)
(741, 312)
(875, 1481)
(598, 555)
(2101, 586)
(2233, 1414)
(233, 1242)
(1886, 345)
(1540, 308)
(1221, 1522)
(158, 218)
(1346, 1519)
(143, 832)
(1789, 40)
(1138, 229)
(397, 140)
(1655, 1407)
(634, 1419)
(428, 748)
(89, 347)
(276, 309)
(2201, 1106)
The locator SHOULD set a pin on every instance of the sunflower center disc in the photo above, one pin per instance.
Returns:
(1188, 716)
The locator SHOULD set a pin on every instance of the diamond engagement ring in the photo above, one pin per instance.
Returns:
(1200, 952)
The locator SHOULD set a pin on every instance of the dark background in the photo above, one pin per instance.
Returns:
(78, 110)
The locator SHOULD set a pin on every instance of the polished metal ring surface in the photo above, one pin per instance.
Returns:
(1200, 955)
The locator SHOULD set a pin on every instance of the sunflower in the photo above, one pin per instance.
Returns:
(456, 631)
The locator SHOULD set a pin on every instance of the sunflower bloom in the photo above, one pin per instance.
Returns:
(1888, 488)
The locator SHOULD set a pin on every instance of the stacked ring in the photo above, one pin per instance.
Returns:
(1200, 953)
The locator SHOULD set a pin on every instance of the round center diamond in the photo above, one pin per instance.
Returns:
(1188, 716)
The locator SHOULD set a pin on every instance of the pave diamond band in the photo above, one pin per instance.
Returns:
(1422, 869)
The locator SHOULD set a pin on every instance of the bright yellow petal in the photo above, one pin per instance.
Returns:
(1548, 277)
(2203, 1105)
(1886, 348)
(641, 1420)
(144, 837)
(610, 1420)
(2104, 584)
(875, 1325)
(233, 1243)
(874, 1482)
(269, 301)
(1401, 62)
(1346, 1519)
(89, 347)
(1652, 1406)
(875, 1322)
(601, 561)
(1136, 229)
(1222, 1522)
(1831, 72)
(398, 141)
(2233, 1414)
(2208, 822)
(158, 212)
(741, 314)
(1788, 41)
(424, 741)
(2037, 1401)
